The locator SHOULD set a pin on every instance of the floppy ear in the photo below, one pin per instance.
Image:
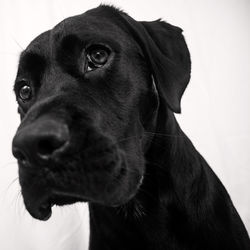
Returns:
(169, 59)
(167, 54)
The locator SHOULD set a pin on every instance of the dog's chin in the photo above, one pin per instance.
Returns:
(40, 200)
(42, 209)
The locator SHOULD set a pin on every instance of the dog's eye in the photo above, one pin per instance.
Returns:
(97, 56)
(25, 92)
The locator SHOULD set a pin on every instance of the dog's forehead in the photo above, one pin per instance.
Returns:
(94, 21)
(102, 22)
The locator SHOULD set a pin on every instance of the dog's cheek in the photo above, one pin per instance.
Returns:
(130, 179)
(115, 180)
(106, 176)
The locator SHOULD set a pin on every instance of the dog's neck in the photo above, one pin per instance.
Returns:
(165, 187)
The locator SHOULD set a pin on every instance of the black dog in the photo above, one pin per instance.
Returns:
(96, 96)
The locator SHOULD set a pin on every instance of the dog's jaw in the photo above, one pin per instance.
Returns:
(145, 192)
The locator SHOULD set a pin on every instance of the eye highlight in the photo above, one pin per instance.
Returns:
(24, 92)
(97, 56)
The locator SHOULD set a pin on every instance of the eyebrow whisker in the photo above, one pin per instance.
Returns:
(16, 42)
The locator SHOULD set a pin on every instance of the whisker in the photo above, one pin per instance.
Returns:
(152, 134)
(128, 138)
(5, 190)
(19, 207)
(163, 134)
(12, 182)
(152, 197)
(12, 163)
(16, 42)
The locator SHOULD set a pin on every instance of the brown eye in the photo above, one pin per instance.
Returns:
(97, 56)
(25, 92)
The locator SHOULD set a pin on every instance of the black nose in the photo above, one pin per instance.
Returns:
(39, 141)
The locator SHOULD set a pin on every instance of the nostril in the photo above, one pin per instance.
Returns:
(46, 146)
(20, 156)
(41, 140)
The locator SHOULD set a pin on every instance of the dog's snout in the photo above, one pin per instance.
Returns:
(39, 141)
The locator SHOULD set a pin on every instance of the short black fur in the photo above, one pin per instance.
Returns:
(108, 136)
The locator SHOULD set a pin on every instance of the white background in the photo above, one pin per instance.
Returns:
(215, 107)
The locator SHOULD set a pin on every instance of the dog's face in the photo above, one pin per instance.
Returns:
(85, 94)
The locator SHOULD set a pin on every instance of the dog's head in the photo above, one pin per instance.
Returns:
(86, 97)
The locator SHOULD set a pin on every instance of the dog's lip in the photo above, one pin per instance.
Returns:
(42, 209)
(60, 198)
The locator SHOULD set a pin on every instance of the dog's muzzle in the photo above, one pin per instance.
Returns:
(40, 141)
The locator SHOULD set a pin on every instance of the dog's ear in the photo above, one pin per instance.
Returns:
(169, 60)
(165, 49)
